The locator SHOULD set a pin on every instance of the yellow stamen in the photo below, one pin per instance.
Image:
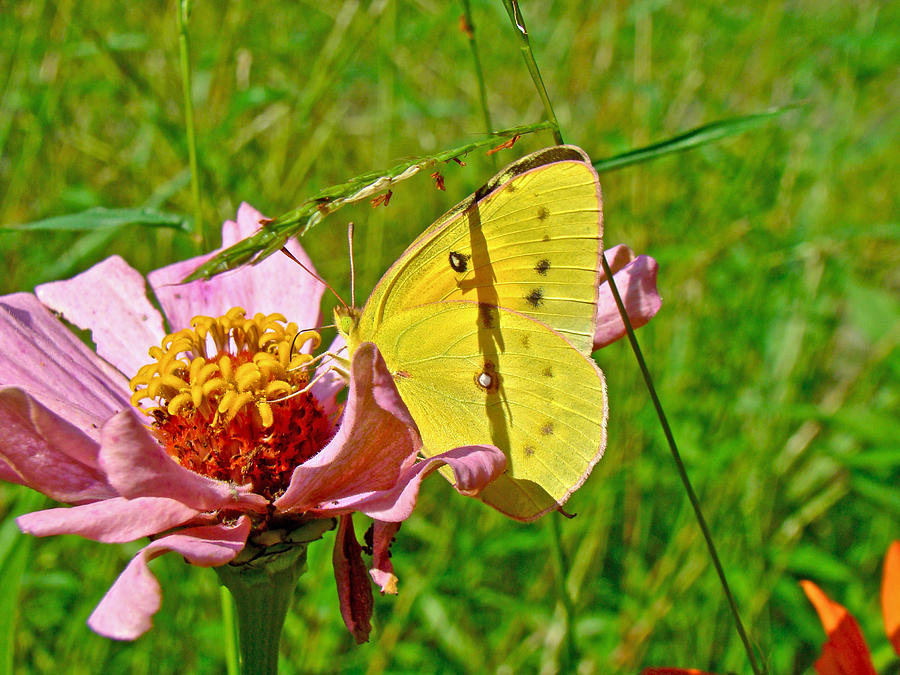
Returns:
(226, 366)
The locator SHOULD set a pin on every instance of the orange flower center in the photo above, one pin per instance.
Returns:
(227, 399)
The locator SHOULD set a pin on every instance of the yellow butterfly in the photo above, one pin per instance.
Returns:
(487, 321)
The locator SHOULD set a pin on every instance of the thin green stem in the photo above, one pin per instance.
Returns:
(479, 73)
(679, 464)
(570, 653)
(518, 22)
(232, 657)
(182, 13)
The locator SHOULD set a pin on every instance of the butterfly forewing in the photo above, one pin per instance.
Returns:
(529, 241)
(477, 374)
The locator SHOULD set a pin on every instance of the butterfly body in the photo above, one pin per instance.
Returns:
(487, 321)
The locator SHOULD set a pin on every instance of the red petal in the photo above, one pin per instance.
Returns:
(353, 585)
(673, 671)
(382, 570)
(890, 595)
(846, 652)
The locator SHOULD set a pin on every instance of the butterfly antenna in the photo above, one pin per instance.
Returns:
(313, 274)
(352, 269)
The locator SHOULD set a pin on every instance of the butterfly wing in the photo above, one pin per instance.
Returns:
(529, 241)
(478, 374)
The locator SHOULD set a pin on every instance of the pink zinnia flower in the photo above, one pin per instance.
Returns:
(209, 449)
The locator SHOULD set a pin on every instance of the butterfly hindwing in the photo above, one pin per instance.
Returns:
(486, 323)
(472, 373)
(529, 241)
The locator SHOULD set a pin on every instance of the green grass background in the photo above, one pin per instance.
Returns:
(775, 352)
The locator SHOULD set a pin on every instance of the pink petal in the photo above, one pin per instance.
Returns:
(110, 300)
(111, 520)
(125, 611)
(353, 585)
(40, 355)
(617, 258)
(276, 285)
(137, 466)
(636, 282)
(382, 569)
(473, 467)
(376, 441)
(46, 453)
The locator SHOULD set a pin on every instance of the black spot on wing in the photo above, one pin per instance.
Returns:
(535, 298)
(547, 429)
(459, 262)
(543, 213)
(487, 315)
(528, 450)
(546, 237)
(523, 340)
(542, 266)
(547, 372)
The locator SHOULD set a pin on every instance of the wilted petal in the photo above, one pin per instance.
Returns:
(353, 585)
(382, 569)
(40, 355)
(276, 285)
(137, 466)
(125, 611)
(46, 453)
(473, 467)
(846, 651)
(890, 595)
(636, 282)
(111, 520)
(376, 441)
(110, 300)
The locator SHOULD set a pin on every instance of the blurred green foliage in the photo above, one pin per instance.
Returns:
(775, 352)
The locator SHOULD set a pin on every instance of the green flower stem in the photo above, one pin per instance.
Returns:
(479, 73)
(569, 658)
(262, 595)
(682, 471)
(182, 13)
(518, 22)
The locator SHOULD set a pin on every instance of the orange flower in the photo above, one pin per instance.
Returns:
(846, 651)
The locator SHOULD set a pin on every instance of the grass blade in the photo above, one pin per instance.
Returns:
(708, 133)
(101, 218)
(15, 549)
